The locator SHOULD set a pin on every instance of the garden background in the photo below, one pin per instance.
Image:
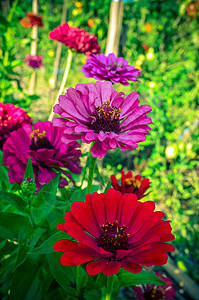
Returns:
(162, 39)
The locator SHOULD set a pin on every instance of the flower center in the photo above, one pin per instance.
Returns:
(132, 182)
(113, 237)
(39, 140)
(105, 118)
(154, 294)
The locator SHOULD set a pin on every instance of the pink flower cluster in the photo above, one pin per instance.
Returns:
(34, 61)
(11, 118)
(75, 38)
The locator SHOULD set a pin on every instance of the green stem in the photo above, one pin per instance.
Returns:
(68, 64)
(91, 173)
(83, 176)
(109, 288)
(78, 279)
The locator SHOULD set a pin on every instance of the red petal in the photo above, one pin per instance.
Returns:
(112, 268)
(96, 267)
(131, 267)
(111, 204)
(98, 208)
(127, 207)
(65, 245)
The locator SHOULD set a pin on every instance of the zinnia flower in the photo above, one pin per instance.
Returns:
(114, 231)
(33, 20)
(11, 118)
(112, 68)
(153, 292)
(136, 185)
(75, 38)
(97, 113)
(34, 61)
(48, 154)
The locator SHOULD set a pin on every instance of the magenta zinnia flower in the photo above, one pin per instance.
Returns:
(129, 184)
(114, 231)
(48, 154)
(97, 113)
(112, 68)
(34, 61)
(146, 292)
(75, 38)
(11, 118)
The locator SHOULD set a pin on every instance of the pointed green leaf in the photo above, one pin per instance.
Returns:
(47, 246)
(29, 170)
(130, 279)
(14, 200)
(62, 274)
(26, 283)
(12, 224)
(45, 200)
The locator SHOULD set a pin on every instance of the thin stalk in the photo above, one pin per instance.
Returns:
(67, 69)
(84, 176)
(109, 287)
(78, 279)
(91, 173)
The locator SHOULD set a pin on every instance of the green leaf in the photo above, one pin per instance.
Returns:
(12, 224)
(47, 246)
(26, 284)
(14, 200)
(62, 274)
(107, 187)
(4, 21)
(16, 63)
(45, 200)
(99, 176)
(130, 279)
(29, 170)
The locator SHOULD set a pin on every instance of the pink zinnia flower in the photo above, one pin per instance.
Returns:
(33, 20)
(148, 291)
(11, 118)
(112, 68)
(75, 38)
(97, 113)
(48, 154)
(129, 184)
(114, 231)
(34, 61)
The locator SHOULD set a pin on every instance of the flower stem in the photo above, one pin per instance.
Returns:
(91, 173)
(109, 287)
(68, 64)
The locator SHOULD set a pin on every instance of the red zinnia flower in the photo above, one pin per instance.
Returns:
(114, 231)
(11, 118)
(33, 20)
(75, 38)
(148, 291)
(131, 185)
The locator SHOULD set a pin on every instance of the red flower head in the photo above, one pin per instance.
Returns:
(34, 61)
(32, 20)
(166, 292)
(130, 185)
(11, 118)
(75, 38)
(114, 231)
